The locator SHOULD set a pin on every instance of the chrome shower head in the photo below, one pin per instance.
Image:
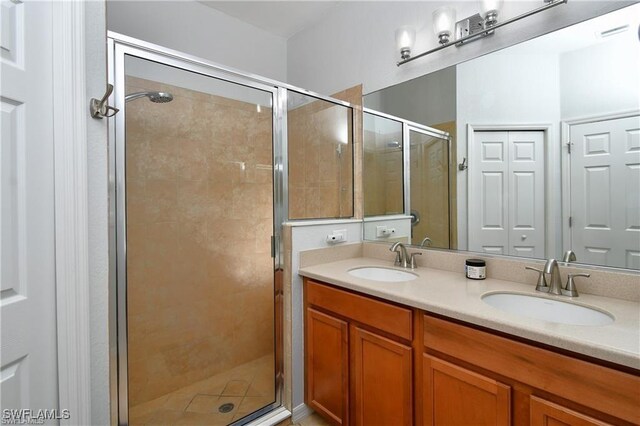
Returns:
(160, 97)
(155, 97)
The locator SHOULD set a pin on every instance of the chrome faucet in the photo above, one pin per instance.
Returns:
(555, 283)
(402, 258)
(569, 256)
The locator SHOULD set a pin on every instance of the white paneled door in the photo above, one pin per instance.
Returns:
(28, 364)
(605, 192)
(506, 193)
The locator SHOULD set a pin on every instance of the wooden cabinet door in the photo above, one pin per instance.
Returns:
(456, 396)
(383, 380)
(545, 413)
(327, 366)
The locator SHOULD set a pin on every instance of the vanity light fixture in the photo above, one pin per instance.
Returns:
(405, 37)
(469, 29)
(444, 20)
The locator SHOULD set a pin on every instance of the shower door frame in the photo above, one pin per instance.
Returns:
(409, 127)
(118, 47)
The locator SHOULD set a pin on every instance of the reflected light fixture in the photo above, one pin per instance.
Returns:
(489, 11)
(405, 37)
(469, 29)
(444, 20)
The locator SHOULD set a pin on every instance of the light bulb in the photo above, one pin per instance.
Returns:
(490, 10)
(405, 37)
(444, 20)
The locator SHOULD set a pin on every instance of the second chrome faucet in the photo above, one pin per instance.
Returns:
(554, 284)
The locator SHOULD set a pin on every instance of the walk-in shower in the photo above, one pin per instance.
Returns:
(196, 267)
(198, 199)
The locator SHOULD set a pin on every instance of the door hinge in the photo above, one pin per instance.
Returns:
(274, 241)
(569, 147)
(570, 221)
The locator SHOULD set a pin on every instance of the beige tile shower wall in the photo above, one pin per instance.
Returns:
(320, 161)
(199, 221)
(383, 173)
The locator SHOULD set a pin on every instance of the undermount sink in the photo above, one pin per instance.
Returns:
(546, 309)
(382, 274)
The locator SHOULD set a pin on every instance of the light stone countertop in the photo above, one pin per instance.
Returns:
(453, 295)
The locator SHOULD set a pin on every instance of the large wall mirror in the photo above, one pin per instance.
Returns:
(542, 155)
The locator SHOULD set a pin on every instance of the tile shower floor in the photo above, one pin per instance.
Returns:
(248, 387)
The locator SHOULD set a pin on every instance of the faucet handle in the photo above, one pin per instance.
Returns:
(570, 289)
(412, 259)
(542, 281)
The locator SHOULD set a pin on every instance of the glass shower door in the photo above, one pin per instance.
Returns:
(429, 189)
(197, 172)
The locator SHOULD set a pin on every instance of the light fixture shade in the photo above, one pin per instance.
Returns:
(444, 20)
(405, 37)
(490, 7)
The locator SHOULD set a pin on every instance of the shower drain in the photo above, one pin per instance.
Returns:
(225, 408)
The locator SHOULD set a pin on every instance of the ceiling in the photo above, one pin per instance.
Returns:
(282, 18)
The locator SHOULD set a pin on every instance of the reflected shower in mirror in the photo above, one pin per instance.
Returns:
(382, 167)
(320, 150)
(545, 145)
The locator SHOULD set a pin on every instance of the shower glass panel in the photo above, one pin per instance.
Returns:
(320, 150)
(429, 189)
(382, 173)
(200, 316)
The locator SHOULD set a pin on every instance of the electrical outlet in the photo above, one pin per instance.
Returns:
(337, 236)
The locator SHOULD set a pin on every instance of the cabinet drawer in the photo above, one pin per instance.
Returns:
(604, 389)
(383, 316)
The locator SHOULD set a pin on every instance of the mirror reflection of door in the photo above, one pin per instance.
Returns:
(429, 189)
(605, 192)
(506, 193)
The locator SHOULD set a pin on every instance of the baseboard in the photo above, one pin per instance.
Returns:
(301, 411)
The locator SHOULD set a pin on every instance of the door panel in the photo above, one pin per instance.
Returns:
(526, 194)
(488, 208)
(327, 366)
(545, 413)
(506, 193)
(383, 378)
(605, 188)
(456, 396)
(28, 360)
(197, 169)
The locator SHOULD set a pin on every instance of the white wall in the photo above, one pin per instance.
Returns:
(427, 100)
(591, 86)
(307, 236)
(196, 29)
(510, 89)
(355, 43)
(98, 216)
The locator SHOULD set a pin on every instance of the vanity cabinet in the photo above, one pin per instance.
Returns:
(372, 362)
(358, 358)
